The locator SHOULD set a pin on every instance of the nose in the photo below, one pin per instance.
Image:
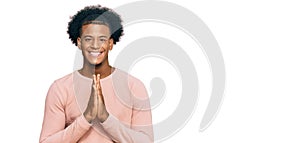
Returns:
(96, 44)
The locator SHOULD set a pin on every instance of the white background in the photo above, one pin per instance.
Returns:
(259, 40)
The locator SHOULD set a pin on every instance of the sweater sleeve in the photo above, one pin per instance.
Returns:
(141, 129)
(54, 128)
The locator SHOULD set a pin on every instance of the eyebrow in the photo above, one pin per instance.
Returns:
(102, 36)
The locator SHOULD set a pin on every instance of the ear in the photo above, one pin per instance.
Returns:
(111, 43)
(79, 43)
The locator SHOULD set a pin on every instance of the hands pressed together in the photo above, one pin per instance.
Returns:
(96, 106)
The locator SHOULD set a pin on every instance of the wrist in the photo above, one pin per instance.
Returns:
(87, 117)
(103, 116)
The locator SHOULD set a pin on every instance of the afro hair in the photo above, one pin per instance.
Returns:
(95, 14)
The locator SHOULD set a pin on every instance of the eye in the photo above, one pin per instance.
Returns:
(87, 39)
(103, 40)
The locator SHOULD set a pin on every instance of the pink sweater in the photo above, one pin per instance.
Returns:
(126, 100)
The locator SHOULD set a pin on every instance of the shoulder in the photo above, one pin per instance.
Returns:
(131, 80)
(137, 90)
(135, 85)
(60, 87)
(65, 79)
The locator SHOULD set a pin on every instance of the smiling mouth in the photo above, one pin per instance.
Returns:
(95, 54)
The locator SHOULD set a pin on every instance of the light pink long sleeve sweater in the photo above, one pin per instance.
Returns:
(125, 98)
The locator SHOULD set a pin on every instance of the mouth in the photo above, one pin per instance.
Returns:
(95, 53)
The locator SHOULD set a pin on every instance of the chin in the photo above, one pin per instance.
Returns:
(95, 63)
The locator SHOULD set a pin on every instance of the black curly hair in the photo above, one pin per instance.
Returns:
(95, 14)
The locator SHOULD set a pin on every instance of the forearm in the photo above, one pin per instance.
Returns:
(70, 134)
(121, 133)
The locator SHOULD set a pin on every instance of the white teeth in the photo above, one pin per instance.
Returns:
(95, 53)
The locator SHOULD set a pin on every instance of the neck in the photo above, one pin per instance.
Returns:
(104, 69)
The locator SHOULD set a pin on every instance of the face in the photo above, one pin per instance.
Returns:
(95, 43)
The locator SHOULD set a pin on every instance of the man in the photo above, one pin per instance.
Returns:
(98, 103)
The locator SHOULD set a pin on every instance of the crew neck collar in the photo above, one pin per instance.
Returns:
(90, 79)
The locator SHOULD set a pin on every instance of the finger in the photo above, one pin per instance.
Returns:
(98, 80)
(99, 84)
(94, 82)
(95, 97)
(99, 89)
(96, 100)
(94, 86)
(94, 79)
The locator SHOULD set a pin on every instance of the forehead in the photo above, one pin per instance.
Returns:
(95, 29)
